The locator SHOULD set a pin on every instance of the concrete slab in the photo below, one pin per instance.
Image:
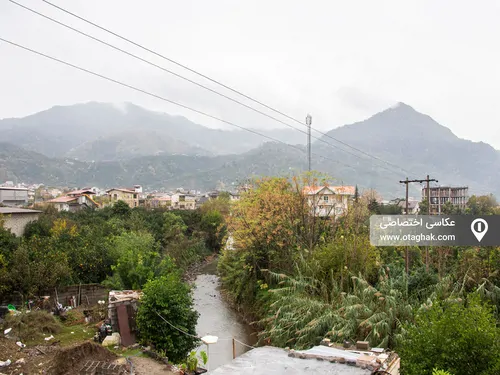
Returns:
(275, 361)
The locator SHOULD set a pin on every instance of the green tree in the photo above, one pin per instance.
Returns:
(481, 205)
(356, 194)
(423, 207)
(121, 208)
(139, 259)
(461, 337)
(374, 207)
(169, 297)
(212, 223)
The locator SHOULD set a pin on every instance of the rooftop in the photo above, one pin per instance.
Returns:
(125, 190)
(63, 199)
(342, 190)
(80, 192)
(13, 188)
(317, 360)
(13, 210)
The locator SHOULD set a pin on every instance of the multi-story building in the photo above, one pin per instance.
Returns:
(74, 201)
(439, 195)
(129, 196)
(328, 201)
(182, 201)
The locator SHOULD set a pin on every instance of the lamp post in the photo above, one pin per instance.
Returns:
(207, 340)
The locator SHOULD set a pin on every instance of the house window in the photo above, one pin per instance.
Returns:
(135, 204)
(325, 198)
(135, 196)
(115, 196)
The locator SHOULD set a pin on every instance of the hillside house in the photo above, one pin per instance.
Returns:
(129, 196)
(182, 201)
(16, 219)
(74, 201)
(13, 196)
(329, 201)
(160, 202)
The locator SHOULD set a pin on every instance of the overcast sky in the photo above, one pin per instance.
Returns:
(342, 61)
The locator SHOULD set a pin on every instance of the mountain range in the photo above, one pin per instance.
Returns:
(108, 145)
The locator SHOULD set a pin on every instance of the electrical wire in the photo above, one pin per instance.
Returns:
(165, 99)
(220, 84)
(178, 329)
(179, 76)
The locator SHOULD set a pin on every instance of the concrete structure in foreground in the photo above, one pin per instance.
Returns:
(16, 219)
(318, 360)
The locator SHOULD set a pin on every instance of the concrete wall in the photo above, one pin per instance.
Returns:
(13, 196)
(17, 222)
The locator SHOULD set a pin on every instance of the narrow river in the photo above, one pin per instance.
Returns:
(217, 318)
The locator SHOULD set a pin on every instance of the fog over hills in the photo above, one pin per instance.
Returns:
(124, 145)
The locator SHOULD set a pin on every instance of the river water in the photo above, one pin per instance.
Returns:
(217, 318)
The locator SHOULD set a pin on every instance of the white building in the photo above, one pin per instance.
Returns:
(329, 201)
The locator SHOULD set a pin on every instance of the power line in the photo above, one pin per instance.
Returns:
(162, 98)
(181, 77)
(222, 85)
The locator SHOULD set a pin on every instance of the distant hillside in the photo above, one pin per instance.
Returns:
(399, 135)
(102, 131)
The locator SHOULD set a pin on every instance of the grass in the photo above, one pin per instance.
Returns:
(81, 332)
(137, 352)
(32, 326)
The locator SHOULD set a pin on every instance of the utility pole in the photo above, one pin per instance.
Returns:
(308, 123)
(407, 182)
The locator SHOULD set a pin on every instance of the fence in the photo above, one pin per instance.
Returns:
(72, 295)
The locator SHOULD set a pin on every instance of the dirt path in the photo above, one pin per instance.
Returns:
(148, 366)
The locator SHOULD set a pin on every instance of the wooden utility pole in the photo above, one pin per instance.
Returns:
(234, 349)
(407, 182)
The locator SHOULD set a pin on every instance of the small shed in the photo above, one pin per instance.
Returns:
(122, 311)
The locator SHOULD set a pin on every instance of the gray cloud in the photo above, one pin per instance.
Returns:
(339, 61)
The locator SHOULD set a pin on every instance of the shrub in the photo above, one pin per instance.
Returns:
(461, 337)
(169, 297)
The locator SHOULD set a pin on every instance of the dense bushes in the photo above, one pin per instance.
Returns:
(120, 246)
(306, 278)
(459, 336)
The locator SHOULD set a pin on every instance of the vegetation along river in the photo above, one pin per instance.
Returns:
(217, 318)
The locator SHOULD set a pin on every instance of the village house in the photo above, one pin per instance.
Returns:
(16, 219)
(413, 207)
(181, 201)
(160, 202)
(329, 201)
(129, 196)
(74, 201)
